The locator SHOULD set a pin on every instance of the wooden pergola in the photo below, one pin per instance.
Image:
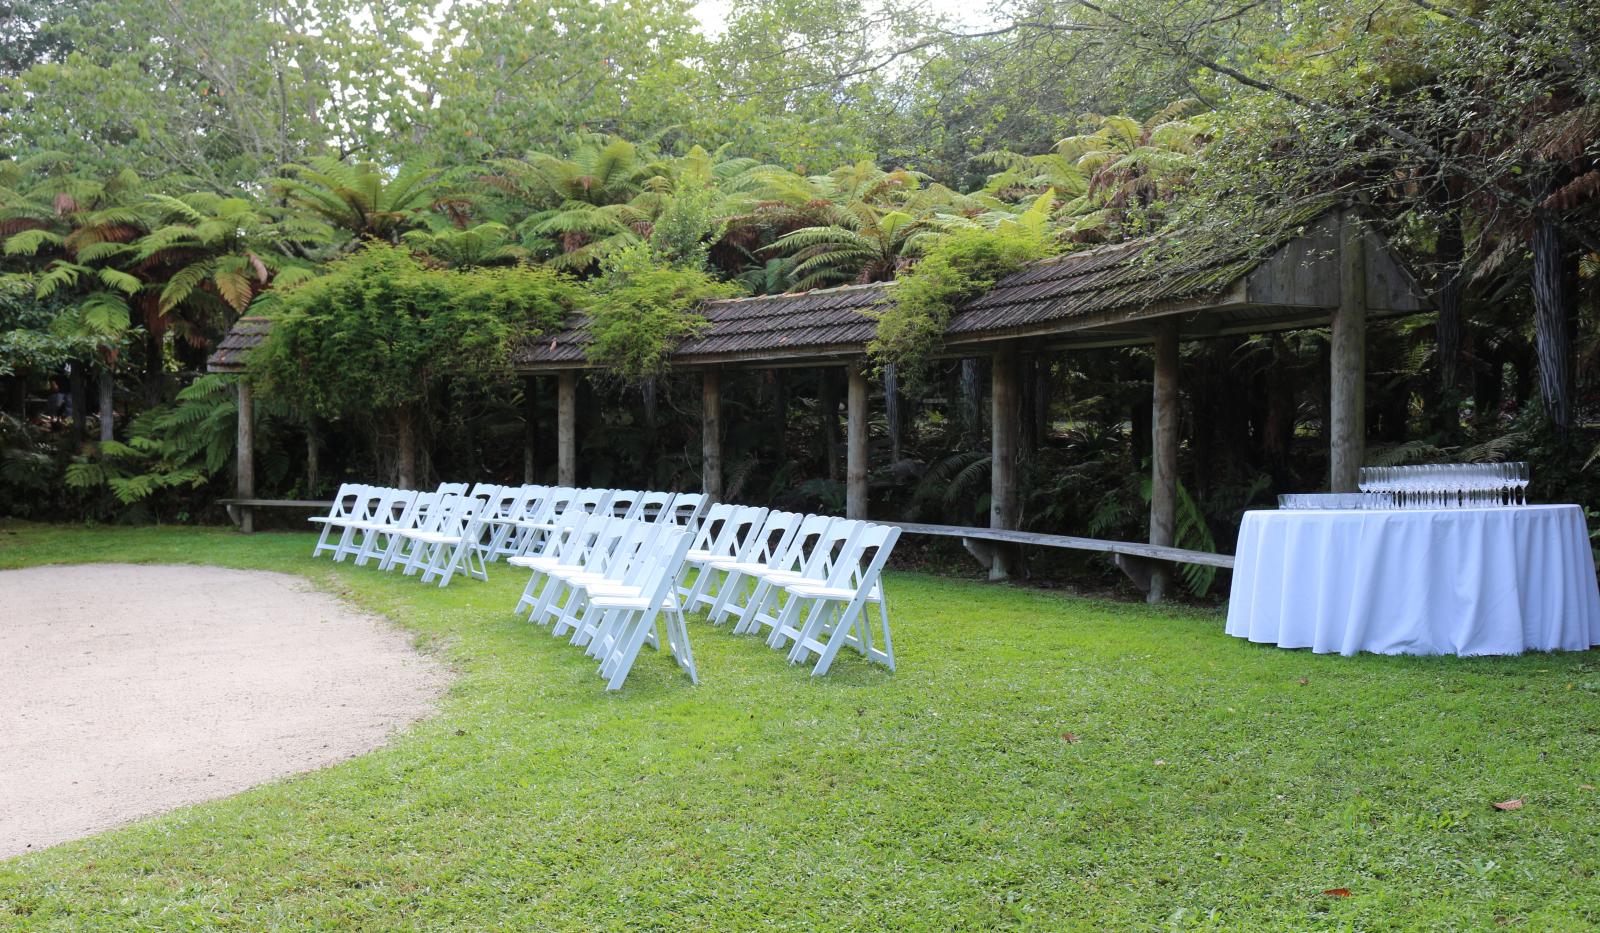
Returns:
(1330, 270)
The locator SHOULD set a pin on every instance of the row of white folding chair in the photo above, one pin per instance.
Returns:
(357, 503)
(607, 581)
(579, 541)
(807, 578)
(431, 533)
(520, 522)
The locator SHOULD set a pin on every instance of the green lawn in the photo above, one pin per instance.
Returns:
(1209, 783)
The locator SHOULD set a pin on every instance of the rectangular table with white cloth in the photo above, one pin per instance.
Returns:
(1464, 581)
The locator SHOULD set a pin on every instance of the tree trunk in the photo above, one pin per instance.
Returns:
(79, 393)
(530, 428)
(108, 380)
(828, 412)
(972, 402)
(406, 449)
(313, 456)
(893, 412)
(1551, 321)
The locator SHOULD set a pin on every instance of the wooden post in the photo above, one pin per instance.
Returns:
(530, 428)
(567, 429)
(856, 451)
(1004, 430)
(245, 486)
(1347, 360)
(711, 434)
(1164, 453)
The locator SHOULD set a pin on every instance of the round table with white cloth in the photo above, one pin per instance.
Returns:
(1417, 581)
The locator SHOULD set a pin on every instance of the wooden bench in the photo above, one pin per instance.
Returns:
(239, 510)
(1136, 560)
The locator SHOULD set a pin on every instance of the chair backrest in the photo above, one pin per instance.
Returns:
(689, 509)
(769, 543)
(654, 506)
(657, 574)
(463, 517)
(508, 502)
(624, 503)
(735, 532)
(711, 525)
(440, 511)
(805, 539)
(408, 506)
(452, 489)
(862, 562)
(488, 492)
(590, 500)
(349, 498)
(832, 549)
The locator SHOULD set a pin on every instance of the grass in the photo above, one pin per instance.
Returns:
(1208, 783)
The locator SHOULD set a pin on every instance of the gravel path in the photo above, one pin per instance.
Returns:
(127, 690)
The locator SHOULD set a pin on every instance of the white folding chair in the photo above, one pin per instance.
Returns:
(451, 546)
(726, 534)
(616, 569)
(630, 620)
(429, 513)
(813, 565)
(500, 527)
(452, 489)
(345, 508)
(790, 563)
(395, 512)
(820, 617)
(566, 541)
(761, 552)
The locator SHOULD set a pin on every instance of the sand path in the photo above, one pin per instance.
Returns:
(127, 690)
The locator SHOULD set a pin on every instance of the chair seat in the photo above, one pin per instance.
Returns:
(783, 576)
(375, 526)
(432, 537)
(740, 566)
(699, 555)
(533, 563)
(821, 591)
(630, 602)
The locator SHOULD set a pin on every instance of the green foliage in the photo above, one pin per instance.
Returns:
(379, 329)
(642, 310)
(958, 268)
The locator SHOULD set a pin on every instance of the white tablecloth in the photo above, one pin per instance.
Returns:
(1449, 581)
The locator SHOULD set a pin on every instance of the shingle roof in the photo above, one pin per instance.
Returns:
(771, 325)
(246, 334)
(1092, 282)
(1089, 292)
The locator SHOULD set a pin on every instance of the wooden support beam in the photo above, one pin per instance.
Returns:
(1005, 425)
(1163, 455)
(1347, 360)
(567, 429)
(856, 449)
(711, 434)
(245, 481)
